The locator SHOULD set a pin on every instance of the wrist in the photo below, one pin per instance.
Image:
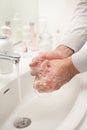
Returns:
(64, 51)
(72, 68)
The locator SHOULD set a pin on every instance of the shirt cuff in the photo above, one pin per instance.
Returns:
(72, 41)
(79, 59)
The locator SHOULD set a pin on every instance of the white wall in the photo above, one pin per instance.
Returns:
(57, 12)
(5, 11)
(28, 9)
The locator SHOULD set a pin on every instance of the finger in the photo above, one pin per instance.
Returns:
(49, 84)
(45, 68)
(37, 60)
(44, 86)
(45, 89)
(36, 83)
(45, 64)
(33, 73)
(34, 62)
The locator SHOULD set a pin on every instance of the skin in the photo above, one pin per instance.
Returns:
(54, 74)
(59, 53)
(53, 69)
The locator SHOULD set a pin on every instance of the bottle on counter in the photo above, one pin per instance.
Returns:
(17, 28)
(26, 38)
(7, 30)
(30, 37)
(56, 38)
(33, 36)
(45, 38)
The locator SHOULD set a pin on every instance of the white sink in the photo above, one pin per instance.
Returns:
(55, 111)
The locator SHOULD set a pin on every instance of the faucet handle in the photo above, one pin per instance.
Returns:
(15, 57)
(9, 54)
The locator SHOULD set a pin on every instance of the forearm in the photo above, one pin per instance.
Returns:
(64, 51)
(78, 61)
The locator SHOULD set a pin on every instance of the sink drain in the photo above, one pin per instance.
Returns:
(22, 122)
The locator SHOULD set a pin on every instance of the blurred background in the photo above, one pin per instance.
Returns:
(49, 17)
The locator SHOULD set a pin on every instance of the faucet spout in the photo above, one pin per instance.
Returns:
(14, 57)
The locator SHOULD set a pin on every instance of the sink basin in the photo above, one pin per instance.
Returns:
(45, 112)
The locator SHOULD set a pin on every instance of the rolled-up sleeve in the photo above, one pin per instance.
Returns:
(76, 35)
(79, 59)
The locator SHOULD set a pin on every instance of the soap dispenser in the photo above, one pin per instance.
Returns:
(6, 66)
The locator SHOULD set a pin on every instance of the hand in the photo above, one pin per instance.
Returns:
(54, 74)
(59, 53)
(38, 61)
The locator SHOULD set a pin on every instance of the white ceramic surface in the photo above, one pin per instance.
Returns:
(55, 112)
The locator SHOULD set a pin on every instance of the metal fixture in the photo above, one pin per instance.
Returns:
(14, 57)
(22, 122)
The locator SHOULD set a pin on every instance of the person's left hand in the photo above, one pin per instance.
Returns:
(54, 74)
(60, 52)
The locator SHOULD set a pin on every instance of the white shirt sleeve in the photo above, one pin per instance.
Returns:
(76, 36)
(79, 59)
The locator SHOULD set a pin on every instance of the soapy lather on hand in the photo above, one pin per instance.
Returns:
(51, 70)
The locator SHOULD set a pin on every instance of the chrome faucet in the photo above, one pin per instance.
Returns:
(14, 57)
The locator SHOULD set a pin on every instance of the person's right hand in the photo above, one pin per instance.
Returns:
(54, 74)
